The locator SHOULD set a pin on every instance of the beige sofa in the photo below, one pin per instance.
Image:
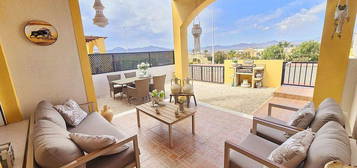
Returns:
(50, 145)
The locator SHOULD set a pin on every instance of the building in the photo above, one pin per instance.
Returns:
(95, 44)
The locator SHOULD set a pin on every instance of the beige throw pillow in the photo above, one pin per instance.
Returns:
(71, 112)
(91, 143)
(294, 150)
(303, 117)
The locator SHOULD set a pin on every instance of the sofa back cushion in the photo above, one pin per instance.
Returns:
(328, 110)
(52, 146)
(46, 111)
(331, 143)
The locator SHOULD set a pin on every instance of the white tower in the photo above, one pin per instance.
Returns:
(196, 32)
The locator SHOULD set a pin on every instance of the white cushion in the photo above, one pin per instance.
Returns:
(91, 143)
(294, 150)
(303, 117)
(71, 112)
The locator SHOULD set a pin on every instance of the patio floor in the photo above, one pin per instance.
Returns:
(205, 149)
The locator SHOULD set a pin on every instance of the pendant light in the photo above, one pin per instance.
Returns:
(99, 19)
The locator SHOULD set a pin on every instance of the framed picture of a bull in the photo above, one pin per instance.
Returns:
(41, 32)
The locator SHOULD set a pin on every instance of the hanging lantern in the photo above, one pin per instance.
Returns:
(341, 16)
(99, 19)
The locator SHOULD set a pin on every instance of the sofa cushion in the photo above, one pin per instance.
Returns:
(91, 143)
(95, 124)
(46, 111)
(293, 151)
(52, 146)
(331, 143)
(328, 110)
(71, 112)
(255, 144)
(119, 160)
(272, 134)
(303, 117)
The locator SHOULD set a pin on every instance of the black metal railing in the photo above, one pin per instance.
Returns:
(113, 62)
(207, 73)
(299, 73)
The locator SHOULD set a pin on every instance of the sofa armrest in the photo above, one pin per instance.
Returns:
(285, 128)
(89, 105)
(90, 156)
(271, 105)
(228, 145)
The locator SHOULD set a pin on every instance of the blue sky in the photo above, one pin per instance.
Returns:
(139, 23)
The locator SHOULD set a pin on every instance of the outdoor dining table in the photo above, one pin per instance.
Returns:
(127, 81)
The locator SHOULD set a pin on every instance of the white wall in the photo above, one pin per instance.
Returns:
(349, 99)
(101, 83)
(41, 72)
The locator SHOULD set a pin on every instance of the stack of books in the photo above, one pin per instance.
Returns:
(7, 157)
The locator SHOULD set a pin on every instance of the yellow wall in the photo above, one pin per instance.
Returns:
(334, 53)
(52, 72)
(272, 72)
(99, 43)
(183, 12)
(8, 99)
(83, 55)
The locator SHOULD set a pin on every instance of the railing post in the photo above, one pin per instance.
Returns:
(211, 73)
(283, 74)
(113, 62)
(201, 73)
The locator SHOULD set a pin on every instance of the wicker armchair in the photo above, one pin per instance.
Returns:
(141, 90)
(159, 83)
(114, 89)
(130, 74)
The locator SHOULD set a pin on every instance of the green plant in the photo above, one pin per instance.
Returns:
(156, 93)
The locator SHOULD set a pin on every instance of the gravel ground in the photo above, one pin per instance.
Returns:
(245, 100)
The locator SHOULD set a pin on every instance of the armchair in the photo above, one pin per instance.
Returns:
(141, 90)
(114, 89)
(254, 150)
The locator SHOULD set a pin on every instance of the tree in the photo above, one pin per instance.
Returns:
(232, 54)
(276, 51)
(306, 51)
(219, 57)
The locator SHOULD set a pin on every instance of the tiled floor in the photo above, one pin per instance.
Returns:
(203, 150)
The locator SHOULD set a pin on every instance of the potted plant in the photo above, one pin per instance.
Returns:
(181, 101)
(143, 69)
(157, 97)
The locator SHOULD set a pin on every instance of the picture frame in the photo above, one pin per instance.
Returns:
(40, 32)
(2, 117)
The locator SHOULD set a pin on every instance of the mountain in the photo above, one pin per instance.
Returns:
(241, 46)
(140, 49)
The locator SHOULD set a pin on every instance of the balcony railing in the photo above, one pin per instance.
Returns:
(207, 73)
(299, 73)
(113, 62)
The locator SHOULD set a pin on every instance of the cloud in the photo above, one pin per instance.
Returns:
(303, 18)
(133, 23)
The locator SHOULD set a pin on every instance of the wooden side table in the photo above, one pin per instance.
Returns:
(188, 97)
(16, 133)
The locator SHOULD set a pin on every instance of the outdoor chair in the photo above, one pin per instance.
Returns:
(113, 88)
(158, 83)
(140, 92)
(330, 143)
(328, 110)
(130, 74)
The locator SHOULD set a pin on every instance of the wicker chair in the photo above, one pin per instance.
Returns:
(130, 74)
(141, 90)
(159, 83)
(114, 89)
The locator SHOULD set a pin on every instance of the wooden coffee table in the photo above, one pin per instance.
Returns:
(166, 116)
